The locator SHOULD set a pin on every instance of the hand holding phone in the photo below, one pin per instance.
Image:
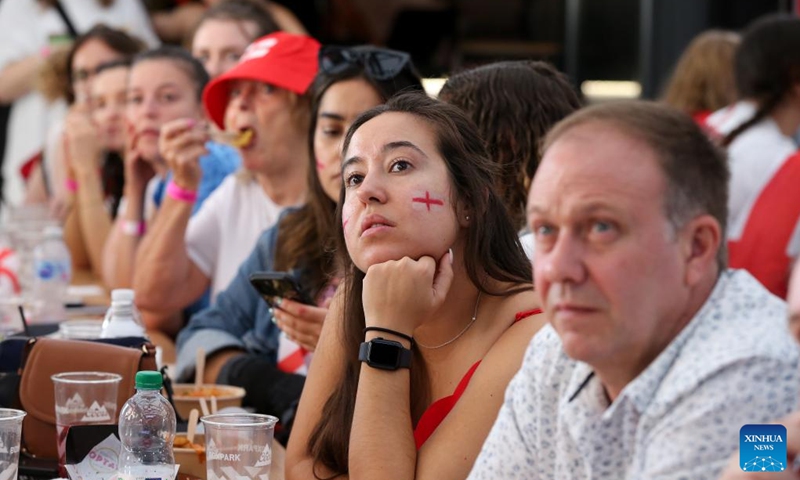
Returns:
(298, 316)
(274, 285)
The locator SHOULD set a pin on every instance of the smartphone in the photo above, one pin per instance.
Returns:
(274, 285)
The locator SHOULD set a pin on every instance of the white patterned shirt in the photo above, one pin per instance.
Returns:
(735, 363)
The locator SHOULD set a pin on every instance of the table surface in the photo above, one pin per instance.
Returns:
(87, 278)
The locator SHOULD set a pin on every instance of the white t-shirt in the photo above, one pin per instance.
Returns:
(754, 157)
(25, 28)
(224, 231)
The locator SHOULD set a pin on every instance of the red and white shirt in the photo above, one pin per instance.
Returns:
(293, 358)
(764, 197)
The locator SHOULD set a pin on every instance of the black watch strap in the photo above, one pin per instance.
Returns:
(384, 354)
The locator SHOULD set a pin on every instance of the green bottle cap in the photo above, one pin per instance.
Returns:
(148, 380)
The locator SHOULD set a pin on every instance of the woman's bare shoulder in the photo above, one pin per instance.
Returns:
(521, 311)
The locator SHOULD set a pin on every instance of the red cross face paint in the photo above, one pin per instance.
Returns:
(423, 200)
(397, 192)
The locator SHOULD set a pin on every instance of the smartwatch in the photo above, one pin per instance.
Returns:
(384, 354)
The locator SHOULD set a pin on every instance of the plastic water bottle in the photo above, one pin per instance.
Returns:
(52, 267)
(146, 431)
(122, 319)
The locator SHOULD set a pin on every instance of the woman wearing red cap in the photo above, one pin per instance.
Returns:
(262, 102)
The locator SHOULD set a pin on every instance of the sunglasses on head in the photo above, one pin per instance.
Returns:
(378, 63)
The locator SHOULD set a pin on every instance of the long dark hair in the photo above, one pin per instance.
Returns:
(492, 252)
(767, 65)
(307, 237)
(513, 104)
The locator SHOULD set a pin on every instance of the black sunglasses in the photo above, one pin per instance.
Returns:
(379, 63)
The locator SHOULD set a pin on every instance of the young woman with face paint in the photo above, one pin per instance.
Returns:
(239, 332)
(435, 310)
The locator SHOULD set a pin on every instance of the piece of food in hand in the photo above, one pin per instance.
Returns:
(235, 139)
(243, 139)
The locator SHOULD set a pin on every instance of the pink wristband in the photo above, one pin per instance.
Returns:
(132, 228)
(71, 185)
(178, 193)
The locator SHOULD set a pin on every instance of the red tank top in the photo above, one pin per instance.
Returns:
(439, 409)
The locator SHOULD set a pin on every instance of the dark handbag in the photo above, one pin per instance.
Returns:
(44, 357)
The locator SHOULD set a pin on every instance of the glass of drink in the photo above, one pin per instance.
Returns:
(238, 445)
(83, 398)
(10, 431)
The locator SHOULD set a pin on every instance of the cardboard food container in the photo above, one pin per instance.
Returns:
(192, 459)
(186, 397)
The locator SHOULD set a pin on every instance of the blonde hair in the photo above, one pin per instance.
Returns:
(703, 79)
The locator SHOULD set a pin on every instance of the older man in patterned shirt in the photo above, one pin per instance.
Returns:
(656, 354)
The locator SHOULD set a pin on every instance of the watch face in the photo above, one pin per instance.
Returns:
(384, 353)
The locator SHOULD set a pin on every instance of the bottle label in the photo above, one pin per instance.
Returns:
(48, 270)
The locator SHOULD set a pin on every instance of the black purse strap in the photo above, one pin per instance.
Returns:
(63, 14)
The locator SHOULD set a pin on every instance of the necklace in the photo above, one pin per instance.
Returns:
(462, 332)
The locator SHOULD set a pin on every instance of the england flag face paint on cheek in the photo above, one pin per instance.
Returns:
(424, 200)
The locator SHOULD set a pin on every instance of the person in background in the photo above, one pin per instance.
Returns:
(758, 131)
(99, 45)
(703, 79)
(175, 25)
(225, 30)
(29, 31)
(435, 272)
(164, 84)
(95, 148)
(513, 104)
(239, 333)
(656, 354)
(263, 102)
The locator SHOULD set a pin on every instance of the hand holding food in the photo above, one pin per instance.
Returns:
(181, 143)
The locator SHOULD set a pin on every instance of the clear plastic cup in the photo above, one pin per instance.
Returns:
(238, 445)
(83, 398)
(10, 433)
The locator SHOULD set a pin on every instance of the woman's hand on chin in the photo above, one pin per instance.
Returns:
(403, 294)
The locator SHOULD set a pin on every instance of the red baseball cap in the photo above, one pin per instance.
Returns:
(282, 59)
